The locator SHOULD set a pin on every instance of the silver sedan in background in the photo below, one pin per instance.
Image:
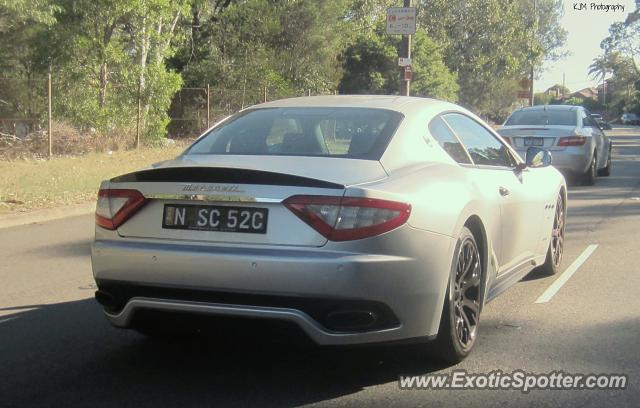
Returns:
(579, 147)
(358, 219)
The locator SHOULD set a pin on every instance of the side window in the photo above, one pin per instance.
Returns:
(587, 121)
(482, 146)
(449, 142)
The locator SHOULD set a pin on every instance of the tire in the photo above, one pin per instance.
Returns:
(606, 171)
(459, 322)
(556, 243)
(589, 177)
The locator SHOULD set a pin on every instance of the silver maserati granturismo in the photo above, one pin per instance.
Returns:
(357, 219)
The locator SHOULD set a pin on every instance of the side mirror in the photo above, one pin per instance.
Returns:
(537, 157)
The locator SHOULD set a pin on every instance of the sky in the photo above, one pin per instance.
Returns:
(586, 28)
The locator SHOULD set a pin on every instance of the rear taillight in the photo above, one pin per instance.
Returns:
(348, 218)
(115, 206)
(572, 141)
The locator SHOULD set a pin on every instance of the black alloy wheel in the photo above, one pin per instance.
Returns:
(461, 312)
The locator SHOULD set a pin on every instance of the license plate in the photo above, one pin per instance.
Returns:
(534, 141)
(215, 218)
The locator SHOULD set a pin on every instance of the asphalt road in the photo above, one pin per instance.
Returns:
(56, 349)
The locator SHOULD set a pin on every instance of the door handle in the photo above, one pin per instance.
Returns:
(503, 191)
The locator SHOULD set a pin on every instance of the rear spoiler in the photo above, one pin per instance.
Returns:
(222, 175)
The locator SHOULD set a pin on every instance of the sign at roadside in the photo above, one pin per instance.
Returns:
(401, 20)
(403, 62)
(408, 74)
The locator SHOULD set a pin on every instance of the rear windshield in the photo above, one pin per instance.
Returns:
(542, 117)
(332, 132)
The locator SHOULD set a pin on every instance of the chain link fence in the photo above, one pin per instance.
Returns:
(36, 122)
(194, 110)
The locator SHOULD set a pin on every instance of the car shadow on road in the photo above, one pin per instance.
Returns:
(68, 352)
(63, 249)
(534, 275)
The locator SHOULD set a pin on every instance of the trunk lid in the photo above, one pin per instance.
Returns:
(524, 136)
(242, 183)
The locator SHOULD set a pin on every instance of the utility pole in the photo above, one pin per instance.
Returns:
(49, 117)
(405, 52)
(563, 84)
(139, 114)
(208, 106)
(533, 37)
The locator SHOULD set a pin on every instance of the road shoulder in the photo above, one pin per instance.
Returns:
(47, 214)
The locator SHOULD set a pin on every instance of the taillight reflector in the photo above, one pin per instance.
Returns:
(572, 141)
(115, 206)
(348, 218)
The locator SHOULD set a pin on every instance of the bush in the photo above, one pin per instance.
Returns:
(67, 140)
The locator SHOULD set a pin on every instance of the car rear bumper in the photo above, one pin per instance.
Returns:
(570, 160)
(301, 285)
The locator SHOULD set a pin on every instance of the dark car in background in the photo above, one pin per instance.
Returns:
(630, 119)
(600, 121)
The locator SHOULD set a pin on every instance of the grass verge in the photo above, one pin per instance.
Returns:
(32, 184)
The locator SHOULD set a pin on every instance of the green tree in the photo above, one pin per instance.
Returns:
(87, 52)
(621, 93)
(491, 45)
(22, 25)
(103, 53)
(573, 101)
(600, 67)
(16, 12)
(541, 98)
(370, 67)
(624, 37)
(151, 28)
(286, 45)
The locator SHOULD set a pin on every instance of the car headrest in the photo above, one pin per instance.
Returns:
(247, 143)
(300, 143)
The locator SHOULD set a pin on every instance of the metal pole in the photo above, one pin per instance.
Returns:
(533, 34)
(264, 97)
(49, 115)
(208, 107)
(604, 94)
(531, 87)
(405, 51)
(138, 118)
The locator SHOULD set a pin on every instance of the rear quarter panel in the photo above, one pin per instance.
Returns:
(442, 199)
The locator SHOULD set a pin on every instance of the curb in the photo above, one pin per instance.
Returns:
(47, 214)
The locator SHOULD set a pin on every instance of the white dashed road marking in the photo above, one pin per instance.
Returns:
(555, 286)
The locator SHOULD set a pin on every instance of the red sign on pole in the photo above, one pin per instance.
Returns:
(408, 74)
(523, 94)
